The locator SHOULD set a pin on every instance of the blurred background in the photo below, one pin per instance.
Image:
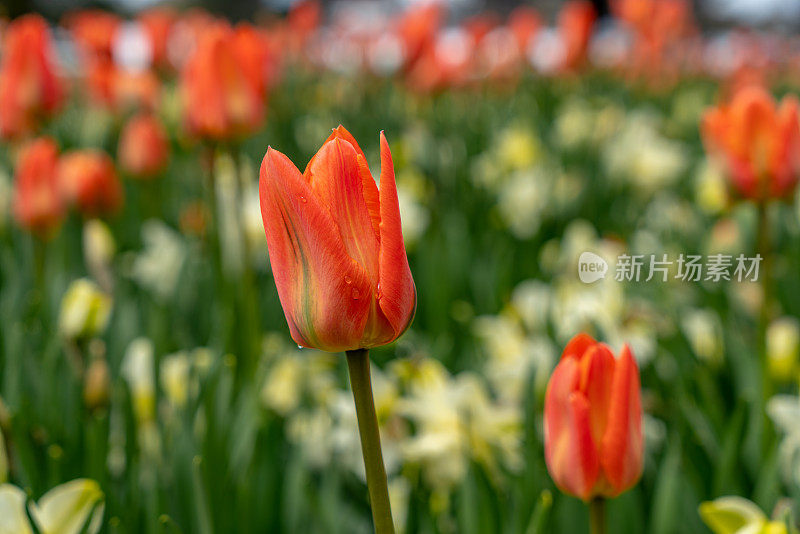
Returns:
(148, 382)
(778, 14)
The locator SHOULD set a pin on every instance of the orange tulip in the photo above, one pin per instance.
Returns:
(88, 180)
(593, 421)
(576, 23)
(302, 21)
(143, 147)
(336, 247)
(220, 100)
(94, 32)
(29, 87)
(253, 52)
(524, 22)
(38, 205)
(158, 23)
(136, 90)
(417, 29)
(758, 141)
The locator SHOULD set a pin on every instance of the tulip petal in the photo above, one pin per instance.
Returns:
(334, 176)
(323, 291)
(562, 382)
(597, 370)
(577, 453)
(570, 451)
(369, 188)
(577, 346)
(371, 198)
(786, 156)
(340, 132)
(622, 446)
(397, 295)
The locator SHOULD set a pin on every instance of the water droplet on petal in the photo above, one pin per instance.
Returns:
(348, 280)
(355, 294)
(303, 199)
(300, 347)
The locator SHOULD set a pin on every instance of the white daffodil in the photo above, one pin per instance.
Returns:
(737, 515)
(13, 519)
(703, 330)
(71, 508)
(98, 251)
(783, 348)
(85, 310)
(138, 371)
(158, 267)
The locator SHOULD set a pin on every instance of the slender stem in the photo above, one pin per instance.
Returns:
(39, 302)
(250, 291)
(358, 365)
(763, 248)
(214, 244)
(597, 516)
(212, 229)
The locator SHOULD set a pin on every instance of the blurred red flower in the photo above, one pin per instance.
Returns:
(575, 23)
(336, 247)
(220, 98)
(29, 86)
(524, 22)
(38, 204)
(593, 421)
(758, 142)
(255, 54)
(158, 24)
(94, 32)
(143, 147)
(88, 180)
(417, 29)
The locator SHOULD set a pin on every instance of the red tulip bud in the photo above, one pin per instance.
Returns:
(593, 421)
(336, 247)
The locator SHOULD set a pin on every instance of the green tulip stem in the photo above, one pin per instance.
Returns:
(763, 248)
(597, 516)
(358, 365)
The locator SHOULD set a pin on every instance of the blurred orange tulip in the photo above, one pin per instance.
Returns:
(302, 21)
(143, 147)
(158, 24)
(88, 180)
(94, 32)
(336, 247)
(593, 421)
(758, 142)
(253, 51)
(38, 205)
(575, 23)
(524, 22)
(219, 98)
(417, 29)
(29, 86)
